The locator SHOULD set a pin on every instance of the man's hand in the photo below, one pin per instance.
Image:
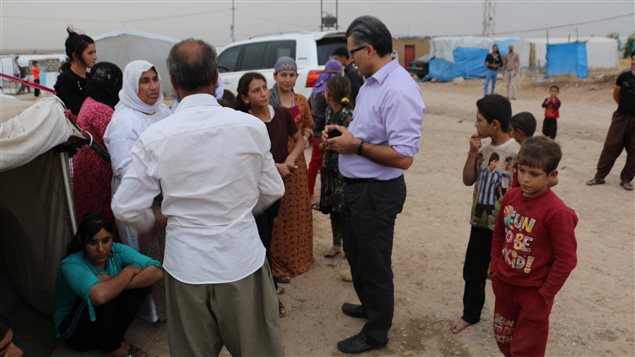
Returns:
(475, 143)
(343, 144)
(285, 169)
(133, 268)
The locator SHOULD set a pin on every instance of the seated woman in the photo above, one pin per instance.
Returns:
(99, 289)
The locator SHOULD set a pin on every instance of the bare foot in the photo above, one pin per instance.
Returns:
(459, 325)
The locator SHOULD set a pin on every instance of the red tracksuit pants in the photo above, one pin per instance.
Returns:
(521, 320)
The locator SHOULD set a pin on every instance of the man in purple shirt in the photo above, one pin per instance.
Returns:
(375, 150)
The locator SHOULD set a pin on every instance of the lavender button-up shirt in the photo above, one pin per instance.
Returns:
(389, 111)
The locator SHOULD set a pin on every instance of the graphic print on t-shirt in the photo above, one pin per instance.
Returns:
(518, 240)
(494, 165)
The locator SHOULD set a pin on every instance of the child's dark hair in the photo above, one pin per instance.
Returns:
(91, 224)
(556, 87)
(339, 88)
(75, 44)
(493, 157)
(540, 152)
(495, 107)
(228, 99)
(243, 89)
(525, 122)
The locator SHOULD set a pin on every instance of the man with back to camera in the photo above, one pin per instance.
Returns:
(214, 169)
(375, 150)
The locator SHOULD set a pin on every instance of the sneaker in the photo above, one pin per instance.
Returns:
(595, 181)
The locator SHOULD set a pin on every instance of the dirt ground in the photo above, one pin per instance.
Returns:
(593, 314)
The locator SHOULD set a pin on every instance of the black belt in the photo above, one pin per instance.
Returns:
(352, 181)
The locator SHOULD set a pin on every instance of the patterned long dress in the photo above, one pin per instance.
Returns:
(91, 173)
(292, 244)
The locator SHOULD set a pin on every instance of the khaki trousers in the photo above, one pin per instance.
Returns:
(242, 316)
(510, 81)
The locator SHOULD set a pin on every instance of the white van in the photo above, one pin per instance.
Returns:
(311, 51)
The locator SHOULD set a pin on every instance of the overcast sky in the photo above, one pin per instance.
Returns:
(41, 24)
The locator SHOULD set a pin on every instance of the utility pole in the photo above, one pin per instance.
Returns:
(321, 16)
(232, 33)
(337, 15)
(489, 18)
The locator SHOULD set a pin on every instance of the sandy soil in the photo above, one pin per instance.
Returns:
(593, 314)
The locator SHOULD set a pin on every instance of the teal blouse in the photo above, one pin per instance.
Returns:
(76, 276)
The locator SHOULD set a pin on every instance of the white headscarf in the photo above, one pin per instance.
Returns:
(128, 95)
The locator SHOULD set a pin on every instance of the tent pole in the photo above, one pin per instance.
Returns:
(67, 188)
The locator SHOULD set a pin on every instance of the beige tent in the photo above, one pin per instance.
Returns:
(36, 212)
(124, 46)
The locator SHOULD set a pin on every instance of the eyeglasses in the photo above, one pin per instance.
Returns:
(352, 52)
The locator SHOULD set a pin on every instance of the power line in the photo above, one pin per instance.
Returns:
(567, 25)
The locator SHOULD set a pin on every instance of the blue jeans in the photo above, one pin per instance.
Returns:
(490, 76)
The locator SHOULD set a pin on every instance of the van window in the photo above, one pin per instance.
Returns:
(253, 56)
(228, 60)
(279, 49)
(326, 46)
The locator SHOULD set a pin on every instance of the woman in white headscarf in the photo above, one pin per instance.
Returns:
(140, 105)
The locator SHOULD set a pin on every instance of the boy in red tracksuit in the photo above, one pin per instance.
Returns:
(533, 251)
(552, 113)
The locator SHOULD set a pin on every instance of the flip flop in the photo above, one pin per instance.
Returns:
(595, 181)
(627, 186)
(134, 350)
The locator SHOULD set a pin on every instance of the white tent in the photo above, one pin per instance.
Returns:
(123, 46)
(602, 52)
(36, 212)
(443, 47)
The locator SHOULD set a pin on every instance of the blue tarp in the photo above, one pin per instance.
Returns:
(567, 58)
(468, 63)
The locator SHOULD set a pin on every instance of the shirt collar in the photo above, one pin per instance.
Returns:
(385, 70)
(195, 100)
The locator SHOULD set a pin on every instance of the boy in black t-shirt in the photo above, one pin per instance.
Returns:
(621, 132)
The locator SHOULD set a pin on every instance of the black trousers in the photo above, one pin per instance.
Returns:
(265, 221)
(475, 273)
(550, 127)
(113, 319)
(369, 213)
(36, 92)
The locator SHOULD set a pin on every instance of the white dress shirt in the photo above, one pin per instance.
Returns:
(214, 168)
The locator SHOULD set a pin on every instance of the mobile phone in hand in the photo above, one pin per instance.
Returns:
(333, 133)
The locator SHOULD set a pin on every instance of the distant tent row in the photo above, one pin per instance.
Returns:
(463, 56)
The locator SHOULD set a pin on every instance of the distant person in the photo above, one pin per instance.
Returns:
(511, 67)
(7, 347)
(215, 171)
(531, 261)
(521, 127)
(35, 71)
(81, 55)
(350, 71)
(292, 246)
(552, 112)
(318, 105)
(99, 288)
(493, 62)
(92, 173)
(621, 134)
(338, 112)
(374, 152)
(492, 121)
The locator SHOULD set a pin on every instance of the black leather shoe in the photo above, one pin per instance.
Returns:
(358, 344)
(354, 310)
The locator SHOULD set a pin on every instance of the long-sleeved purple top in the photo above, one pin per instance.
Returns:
(389, 111)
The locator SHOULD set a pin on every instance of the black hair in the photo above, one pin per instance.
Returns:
(540, 152)
(228, 99)
(495, 107)
(369, 30)
(75, 44)
(243, 89)
(556, 87)
(341, 51)
(192, 64)
(91, 224)
(339, 87)
(493, 157)
(525, 122)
